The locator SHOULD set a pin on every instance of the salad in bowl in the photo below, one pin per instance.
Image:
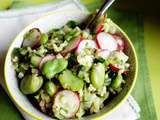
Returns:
(69, 72)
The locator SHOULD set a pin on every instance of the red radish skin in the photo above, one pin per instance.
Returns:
(126, 72)
(113, 68)
(75, 97)
(100, 29)
(72, 45)
(79, 103)
(120, 42)
(45, 59)
(106, 41)
(34, 42)
(97, 42)
(37, 42)
(78, 96)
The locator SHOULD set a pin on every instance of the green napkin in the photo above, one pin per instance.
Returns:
(7, 109)
(132, 24)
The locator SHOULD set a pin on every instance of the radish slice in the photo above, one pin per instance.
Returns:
(106, 41)
(45, 59)
(66, 104)
(72, 45)
(114, 68)
(86, 44)
(120, 42)
(32, 38)
(126, 72)
(100, 27)
(104, 53)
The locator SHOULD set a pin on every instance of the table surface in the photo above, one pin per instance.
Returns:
(151, 41)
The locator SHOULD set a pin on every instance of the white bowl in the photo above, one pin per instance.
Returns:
(54, 20)
(46, 23)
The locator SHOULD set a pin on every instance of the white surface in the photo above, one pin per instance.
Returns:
(13, 24)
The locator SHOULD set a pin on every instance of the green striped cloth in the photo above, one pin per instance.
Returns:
(132, 24)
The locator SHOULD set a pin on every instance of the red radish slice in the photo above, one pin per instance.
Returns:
(113, 68)
(106, 41)
(67, 103)
(120, 42)
(86, 44)
(104, 53)
(98, 45)
(45, 59)
(32, 38)
(100, 28)
(126, 72)
(37, 42)
(72, 45)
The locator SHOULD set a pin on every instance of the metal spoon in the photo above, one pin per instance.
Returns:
(101, 11)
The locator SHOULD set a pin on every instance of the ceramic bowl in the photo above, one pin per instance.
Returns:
(56, 20)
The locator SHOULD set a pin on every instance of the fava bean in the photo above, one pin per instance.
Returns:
(69, 81)
(51, 68)
(117, 81)
(44, 38)
(50, 88)
(31, 84)
(35, 60)
(98, 75)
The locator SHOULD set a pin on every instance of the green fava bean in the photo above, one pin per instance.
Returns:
(44, 38)
(98, 75)
(31, 84)
(117, 81)
(69, 81)
(50, 88)
(51, 68)
(35, 60)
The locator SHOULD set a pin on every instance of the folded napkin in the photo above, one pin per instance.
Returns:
(13, 21)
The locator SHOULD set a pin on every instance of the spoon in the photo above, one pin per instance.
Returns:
(101, 11)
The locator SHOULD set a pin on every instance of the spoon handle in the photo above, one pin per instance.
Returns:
(101, 11)
(105, 7)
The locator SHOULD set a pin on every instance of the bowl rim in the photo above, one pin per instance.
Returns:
(96, 117)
